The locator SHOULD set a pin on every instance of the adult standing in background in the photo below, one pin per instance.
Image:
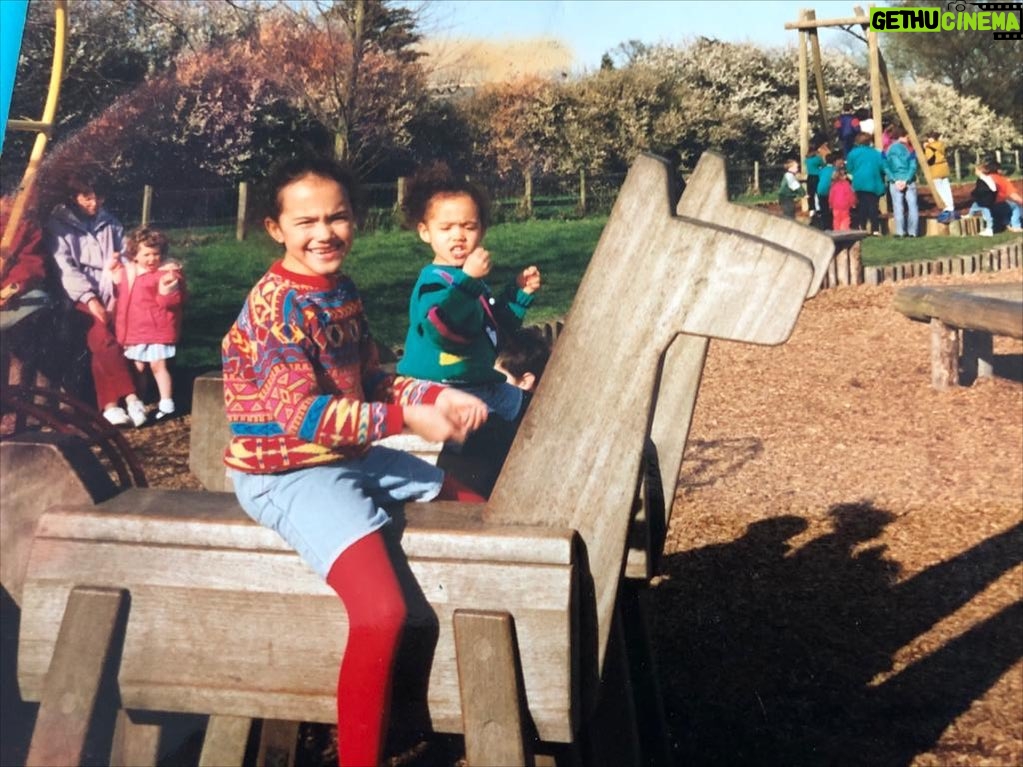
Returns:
(900, 168)
(866, 166)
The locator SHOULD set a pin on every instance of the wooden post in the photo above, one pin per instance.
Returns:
(998, 156)
(70, 692)
(147, 203)
(1015, 154)
(488, 681)
(804, 121)
(959, 167)
(582, 190)
(402, 181)
(278, 742)
(527, 197)
(135, 745)
(243, 199)
(944, 355)
(818, 72)
(756, 177)
(225, 741)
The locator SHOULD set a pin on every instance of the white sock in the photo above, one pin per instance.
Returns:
(167, 405)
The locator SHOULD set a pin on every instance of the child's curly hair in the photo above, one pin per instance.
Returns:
(145, 235)
(437, 180)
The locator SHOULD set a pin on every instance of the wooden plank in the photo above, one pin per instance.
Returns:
(850, 21)
(225, 741)
(698, 279)
(70, 692)
(491, 692)
(818, 72)
(996, 309)
(135, 744)
(278, 743)
(804, 87)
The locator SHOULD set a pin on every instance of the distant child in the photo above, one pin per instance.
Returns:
(150, 297)
(82, 236)
(790, 189)
(456, 325)
(815, 161)
(847, 126)
(841, 198)
(934, 155)
(995, 198)
(305, 397)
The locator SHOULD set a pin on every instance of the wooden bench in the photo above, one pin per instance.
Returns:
(964, 319)
(518, 631)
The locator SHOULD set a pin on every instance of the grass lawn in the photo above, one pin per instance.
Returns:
(384, 265)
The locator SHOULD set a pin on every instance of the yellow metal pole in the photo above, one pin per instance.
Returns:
(43, 128)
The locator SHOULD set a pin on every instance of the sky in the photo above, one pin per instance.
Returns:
(592, 27)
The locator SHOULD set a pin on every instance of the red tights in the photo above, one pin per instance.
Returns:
(364, 578)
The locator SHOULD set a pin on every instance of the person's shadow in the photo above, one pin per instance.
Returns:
(769, 656)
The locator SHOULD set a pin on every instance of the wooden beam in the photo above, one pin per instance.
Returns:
(804, 121)
(818, 71)
(874, 52)
(225, 741)
(135, 744)
(804, 23)
(995, 309)
(71, 690)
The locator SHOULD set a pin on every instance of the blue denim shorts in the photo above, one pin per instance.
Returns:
(322, 510)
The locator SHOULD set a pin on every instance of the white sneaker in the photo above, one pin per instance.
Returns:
(137, 412)
(987, 233)
(116, 416)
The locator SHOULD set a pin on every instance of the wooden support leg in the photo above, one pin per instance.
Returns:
(84, 643)
(490, 688)
(612, 736)
(978, 356)
(135, 744)
(278, 741)
(225, 742)
(944, 355)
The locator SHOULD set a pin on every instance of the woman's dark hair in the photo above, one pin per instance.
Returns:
(85, 181)
(290, 170)
(437, 179)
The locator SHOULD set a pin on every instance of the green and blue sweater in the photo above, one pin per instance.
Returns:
(455, 325)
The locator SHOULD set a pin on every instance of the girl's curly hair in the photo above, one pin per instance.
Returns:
(437, 180)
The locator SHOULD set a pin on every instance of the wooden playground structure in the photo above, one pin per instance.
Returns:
(880, 76)
(525, 633)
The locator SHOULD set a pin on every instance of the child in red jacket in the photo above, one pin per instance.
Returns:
(150, 295)
(841, 198)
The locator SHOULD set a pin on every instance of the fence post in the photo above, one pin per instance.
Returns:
(147, 203)
(1015, 154)
(959, 167)
(998, 156)
(527, 198)
(756, 177)
(401, 192)
(243, 199)
(582, 190)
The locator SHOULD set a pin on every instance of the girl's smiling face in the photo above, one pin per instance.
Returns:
(315, 225)
(452, 228)
(148, 258)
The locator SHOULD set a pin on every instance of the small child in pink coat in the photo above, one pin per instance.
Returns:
(841, 198)
(150, 296)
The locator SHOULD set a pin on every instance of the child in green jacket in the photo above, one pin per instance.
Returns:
(455, 322)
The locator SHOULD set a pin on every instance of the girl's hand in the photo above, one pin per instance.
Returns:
(95, 307)
(463, 408)
(169, 281)
(114, 262)
(477, 264)
(432, 424)
(529, 280)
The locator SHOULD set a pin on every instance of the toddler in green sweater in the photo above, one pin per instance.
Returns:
(455, 323)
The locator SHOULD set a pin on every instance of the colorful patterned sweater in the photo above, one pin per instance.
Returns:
(454, 326)
(302, 379)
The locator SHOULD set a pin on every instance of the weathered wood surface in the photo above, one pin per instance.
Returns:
(71, 684)
(225, 618)
(996, 309)
(706, 280)
(203, 575)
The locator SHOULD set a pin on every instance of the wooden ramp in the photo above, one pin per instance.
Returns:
(523, 630)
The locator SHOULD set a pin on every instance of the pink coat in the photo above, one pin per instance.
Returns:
(841, 195)
(143, 315)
